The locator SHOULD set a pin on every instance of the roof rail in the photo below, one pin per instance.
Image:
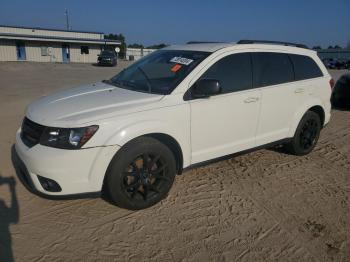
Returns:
(203, 42)
(271, 42)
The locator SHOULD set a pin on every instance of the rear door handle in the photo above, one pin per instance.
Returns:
(299, 90)
(251, 99)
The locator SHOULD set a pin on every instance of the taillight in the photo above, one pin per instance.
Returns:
(331, 83)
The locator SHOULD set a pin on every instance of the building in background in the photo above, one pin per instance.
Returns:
(51, 45)
(137, 53)
(334, 53)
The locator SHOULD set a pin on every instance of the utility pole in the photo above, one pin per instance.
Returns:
(67, 20)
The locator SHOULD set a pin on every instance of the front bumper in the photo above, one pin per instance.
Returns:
(76, 171)
(106, 62)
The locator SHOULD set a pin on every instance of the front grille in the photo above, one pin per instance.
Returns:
(31, 132)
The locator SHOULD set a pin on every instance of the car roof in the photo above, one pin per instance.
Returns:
(204, 47)
(213, 47)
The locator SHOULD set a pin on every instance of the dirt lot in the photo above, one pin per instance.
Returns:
(263, 206)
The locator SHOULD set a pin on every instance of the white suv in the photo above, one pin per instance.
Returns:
(175, 108)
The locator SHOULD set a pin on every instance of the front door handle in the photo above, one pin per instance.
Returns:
(251, 99)
(299, 90)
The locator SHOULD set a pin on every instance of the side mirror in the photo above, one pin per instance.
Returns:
(206, 88)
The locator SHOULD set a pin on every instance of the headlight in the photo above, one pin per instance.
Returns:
(67, 138)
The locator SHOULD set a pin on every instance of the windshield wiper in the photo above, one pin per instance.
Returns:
(149, 85)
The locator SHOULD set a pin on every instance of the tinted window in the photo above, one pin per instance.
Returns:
(272, 69)
(305, 67)
(234, 72)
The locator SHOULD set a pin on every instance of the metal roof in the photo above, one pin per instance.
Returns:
(51, 29)
(57, 39)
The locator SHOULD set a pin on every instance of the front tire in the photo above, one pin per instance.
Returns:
(141, 174)
(306, 135)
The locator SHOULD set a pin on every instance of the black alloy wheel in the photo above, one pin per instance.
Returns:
(145, 176)
(140, 174)
(306, 135)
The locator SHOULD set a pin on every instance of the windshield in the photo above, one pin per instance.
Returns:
(107, 53)
(159, 72)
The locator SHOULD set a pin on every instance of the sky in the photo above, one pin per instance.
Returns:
(312, 22)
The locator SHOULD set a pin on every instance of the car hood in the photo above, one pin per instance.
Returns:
(80, 105)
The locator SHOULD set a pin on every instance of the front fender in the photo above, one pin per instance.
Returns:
(180, 132)
(133, 130)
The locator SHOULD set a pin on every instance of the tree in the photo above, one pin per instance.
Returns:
(337, 47)
(330, 47)
(159, 46)
(121, 38)
(136, 46)
(317, 47)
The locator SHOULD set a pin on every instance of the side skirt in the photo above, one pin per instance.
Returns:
(226, 157)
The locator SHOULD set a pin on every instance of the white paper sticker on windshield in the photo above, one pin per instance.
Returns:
(181, 60)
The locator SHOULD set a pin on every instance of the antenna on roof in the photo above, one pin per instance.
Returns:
(67, 20)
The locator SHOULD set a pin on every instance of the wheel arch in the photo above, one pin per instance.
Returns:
(167, 140)
(315, 107)
(320, 112)
(173, 145)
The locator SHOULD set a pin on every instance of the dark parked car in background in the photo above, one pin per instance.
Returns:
(341, 92)
(329, 63)
(340, 63)
(107, 58)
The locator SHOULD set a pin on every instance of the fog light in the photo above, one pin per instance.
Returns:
(49, 184)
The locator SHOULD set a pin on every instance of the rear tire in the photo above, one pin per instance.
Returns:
(306, 135)
(141, 174)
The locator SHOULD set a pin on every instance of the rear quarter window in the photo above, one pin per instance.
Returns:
(305, 67)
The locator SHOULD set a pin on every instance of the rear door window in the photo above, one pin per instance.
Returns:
(272, 69)
(305, 67)
(234, 72)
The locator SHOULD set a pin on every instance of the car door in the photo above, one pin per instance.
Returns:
(280, 98)
(226, 123)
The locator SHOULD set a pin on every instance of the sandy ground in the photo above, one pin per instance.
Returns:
(263, 206)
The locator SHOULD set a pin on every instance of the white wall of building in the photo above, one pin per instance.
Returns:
(33, 52)
(54, 52)
(77, 57)
(7, 50)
